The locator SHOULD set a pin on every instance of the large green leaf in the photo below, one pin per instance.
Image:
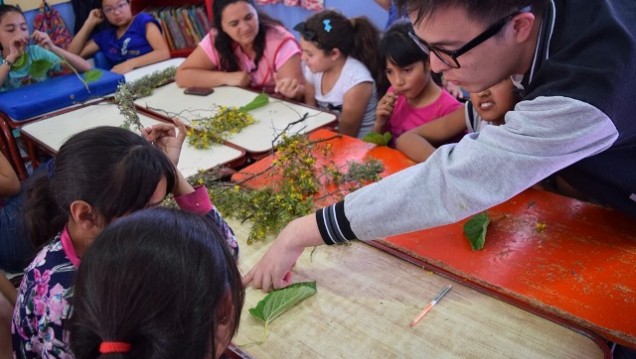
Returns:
(378, 139)
(92, 75)
(475, 230)
(39, 68)
(20, 62)
(259, 101)
(279, 301)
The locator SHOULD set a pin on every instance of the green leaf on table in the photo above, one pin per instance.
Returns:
(92, 75)
(279, 301)
(475, 230)
(378, 139)
(39, 68)
(259, 101)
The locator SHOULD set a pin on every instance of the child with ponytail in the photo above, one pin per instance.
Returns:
(172, 290)
(343, 71)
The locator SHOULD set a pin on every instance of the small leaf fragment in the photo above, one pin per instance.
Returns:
(259, 101)
(279, 301)
(377, 138)
(540, 227)
(475, 230)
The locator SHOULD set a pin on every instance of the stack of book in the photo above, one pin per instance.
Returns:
(182, 26)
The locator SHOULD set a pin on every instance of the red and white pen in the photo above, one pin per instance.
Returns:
(430, 305)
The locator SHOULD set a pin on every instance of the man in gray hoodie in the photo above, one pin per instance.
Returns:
(574, 60)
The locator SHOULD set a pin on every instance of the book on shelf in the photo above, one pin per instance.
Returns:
(182, 26)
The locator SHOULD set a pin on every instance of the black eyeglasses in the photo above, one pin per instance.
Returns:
(449, 57)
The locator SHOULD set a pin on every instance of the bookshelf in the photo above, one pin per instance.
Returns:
(175, 51)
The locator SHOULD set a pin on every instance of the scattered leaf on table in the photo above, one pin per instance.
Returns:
(39, 68)
(378, 139)
(475, 230)
(279, 301)
(92, 75)
(259, 101)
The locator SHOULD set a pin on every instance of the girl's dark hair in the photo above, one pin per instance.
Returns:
(5, 9)
(114, 170)
(397, 47)
(356, 37)
(480, 11)
(159, 280)
(224, 44)
(101, 3)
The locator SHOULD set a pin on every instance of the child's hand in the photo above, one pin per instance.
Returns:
(238, 78)
(95, 17)
(122, 68)
(454, 90)
(166, 138)
(384, 110)
(16, 48)
(43, 39)
(286, 86)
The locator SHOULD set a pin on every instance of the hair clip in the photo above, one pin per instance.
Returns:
(327, 23)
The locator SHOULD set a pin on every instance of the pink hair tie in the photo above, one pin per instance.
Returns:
(114, 347)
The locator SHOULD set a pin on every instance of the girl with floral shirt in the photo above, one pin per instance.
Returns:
(100, 175)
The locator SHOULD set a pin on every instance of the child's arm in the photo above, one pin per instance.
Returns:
(76, 61)
(9, 182)
(7, 289)
(169, 139)
(81, 45)
(310, 94)
(290, 81)
(189, 199)
(160, 51)
(5, 68)
(16, 48)
(198, 71)
(354, 104)
(416, 143)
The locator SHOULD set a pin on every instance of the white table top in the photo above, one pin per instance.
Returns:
(54, 131)
(271, 119)
(138, 73)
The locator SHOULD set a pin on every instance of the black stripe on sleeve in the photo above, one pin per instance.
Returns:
(333, 225)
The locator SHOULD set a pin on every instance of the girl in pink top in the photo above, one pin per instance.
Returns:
(244, 48)
(413, 98)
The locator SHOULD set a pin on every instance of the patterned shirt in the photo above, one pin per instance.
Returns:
(43, 303)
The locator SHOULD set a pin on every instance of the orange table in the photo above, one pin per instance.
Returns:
(344, 149)
(579, 270)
